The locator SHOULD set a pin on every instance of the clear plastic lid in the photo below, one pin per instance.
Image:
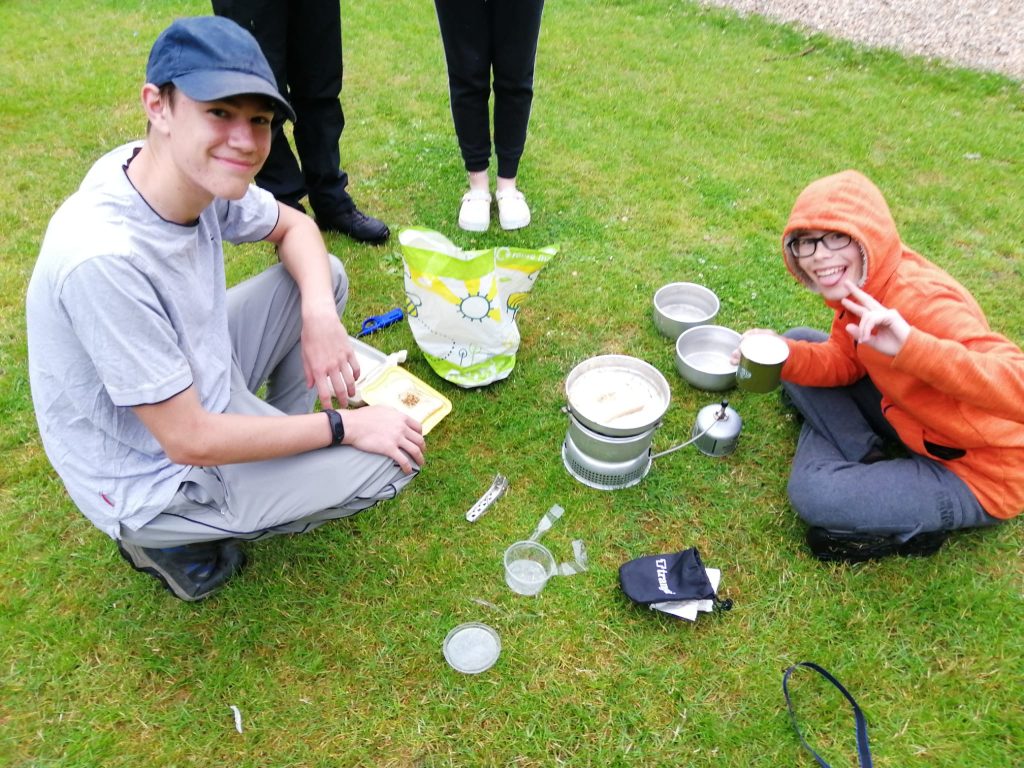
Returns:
(472, 648)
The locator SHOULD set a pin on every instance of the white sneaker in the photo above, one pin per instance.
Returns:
(513, 212)
(475, 213)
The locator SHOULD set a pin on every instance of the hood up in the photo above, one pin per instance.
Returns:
(848, 202)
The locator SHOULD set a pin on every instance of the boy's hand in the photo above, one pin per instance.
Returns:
(734, 358)
(880, 328)
(386, 431)
(330, 362)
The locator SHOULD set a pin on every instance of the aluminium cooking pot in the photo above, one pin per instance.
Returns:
(610, 449)
(617, 395)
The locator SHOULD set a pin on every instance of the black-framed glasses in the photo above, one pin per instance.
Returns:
(802, 247)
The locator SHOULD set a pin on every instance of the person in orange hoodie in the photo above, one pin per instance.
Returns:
(912, 406)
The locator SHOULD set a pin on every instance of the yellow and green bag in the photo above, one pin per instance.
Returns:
(462, 305)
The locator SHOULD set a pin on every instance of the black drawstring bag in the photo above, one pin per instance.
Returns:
(668, 578)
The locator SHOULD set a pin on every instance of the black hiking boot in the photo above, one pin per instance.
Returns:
(191, 572)
(833, 546)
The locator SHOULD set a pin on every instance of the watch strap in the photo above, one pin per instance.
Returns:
(337, 426)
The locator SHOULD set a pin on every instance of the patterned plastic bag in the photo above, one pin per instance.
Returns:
(462, 305)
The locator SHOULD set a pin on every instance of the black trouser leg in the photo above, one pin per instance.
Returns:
(267, 20)
(302, 42)
(515, 29)
(479, 36)
(314, 86)
(466, 34)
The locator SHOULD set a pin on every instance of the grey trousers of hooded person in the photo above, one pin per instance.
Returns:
(293, 494)
(831, 487)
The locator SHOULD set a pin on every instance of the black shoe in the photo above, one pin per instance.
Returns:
(356, 225)
(924, 544)
(191, 572)
(832, 546)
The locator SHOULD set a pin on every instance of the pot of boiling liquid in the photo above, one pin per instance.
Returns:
(615, 404)
(617, 395)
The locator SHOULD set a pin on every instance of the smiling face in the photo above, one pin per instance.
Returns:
(219, 146)
(828, 270)
(210, 148)
(196, 151)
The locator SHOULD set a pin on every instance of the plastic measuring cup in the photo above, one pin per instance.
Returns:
(528, 566)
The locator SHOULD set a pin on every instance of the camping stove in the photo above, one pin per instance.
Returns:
(601, 474)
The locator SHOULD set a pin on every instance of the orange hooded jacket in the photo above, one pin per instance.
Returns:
(955, 392)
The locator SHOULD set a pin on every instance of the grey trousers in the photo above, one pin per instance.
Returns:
(831, 487)
(293, 494)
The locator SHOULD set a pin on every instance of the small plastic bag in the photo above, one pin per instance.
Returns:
(462, 305)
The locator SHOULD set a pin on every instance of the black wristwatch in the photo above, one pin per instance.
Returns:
(337, 426)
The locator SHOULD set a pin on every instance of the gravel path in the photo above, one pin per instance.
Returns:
(980, 34)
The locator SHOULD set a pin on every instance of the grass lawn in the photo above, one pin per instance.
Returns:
(667, 143)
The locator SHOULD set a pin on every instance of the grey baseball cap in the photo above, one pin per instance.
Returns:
(211, 58)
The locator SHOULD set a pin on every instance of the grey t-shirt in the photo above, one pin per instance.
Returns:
(125, 309)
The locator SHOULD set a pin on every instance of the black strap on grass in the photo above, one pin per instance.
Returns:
(863, 750)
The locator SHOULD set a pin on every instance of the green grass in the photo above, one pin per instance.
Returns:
(667, 143)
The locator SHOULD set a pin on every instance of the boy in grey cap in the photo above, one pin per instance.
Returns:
(143, 365)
